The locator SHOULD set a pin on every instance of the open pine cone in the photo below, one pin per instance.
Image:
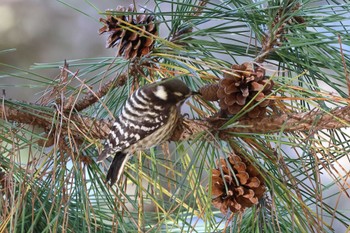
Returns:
(237, 191)
(238, 87)
(131, 42)
(244, 83)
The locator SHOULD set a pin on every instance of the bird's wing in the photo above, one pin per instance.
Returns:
(130, 128)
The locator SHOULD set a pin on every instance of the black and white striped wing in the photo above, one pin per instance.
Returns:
(139, 119)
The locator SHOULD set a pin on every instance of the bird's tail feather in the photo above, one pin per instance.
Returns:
(117, 167)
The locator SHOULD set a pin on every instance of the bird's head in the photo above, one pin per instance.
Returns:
(171, 90)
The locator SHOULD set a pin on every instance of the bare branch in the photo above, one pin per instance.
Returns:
(98, 129)
(92, 98)
(308, 121)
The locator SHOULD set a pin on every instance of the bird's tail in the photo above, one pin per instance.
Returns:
(117, 167)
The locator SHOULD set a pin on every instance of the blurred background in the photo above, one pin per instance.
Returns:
(43, 31)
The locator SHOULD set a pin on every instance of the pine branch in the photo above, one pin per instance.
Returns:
(276, 35)
(92, 98)
(307, 121)
(97, 129)
(188, 128)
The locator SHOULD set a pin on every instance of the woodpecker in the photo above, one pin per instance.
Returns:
(147, 119)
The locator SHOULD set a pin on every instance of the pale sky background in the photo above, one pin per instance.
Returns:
(49, 31)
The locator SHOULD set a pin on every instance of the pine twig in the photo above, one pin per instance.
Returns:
(199, 9)
(92, 98)
(276, 34)
(187, 128)
(97, 129)
(307, 121)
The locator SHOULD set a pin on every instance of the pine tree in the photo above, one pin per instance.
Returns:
(264, 148)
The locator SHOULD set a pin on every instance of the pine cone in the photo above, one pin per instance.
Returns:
(242, 85)
(239, 191)
(130, 44)
(209, 92)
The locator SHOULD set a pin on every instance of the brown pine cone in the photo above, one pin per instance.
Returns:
(130, 42)
(209, 92)
(244, 83)
(237, 191)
